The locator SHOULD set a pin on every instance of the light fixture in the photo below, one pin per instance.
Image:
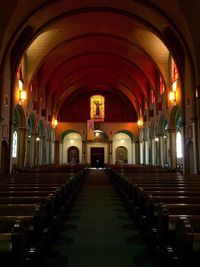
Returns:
(156, 139)
(37, 139)
(174, 86)
(21, 85)
(122, 141)
(140, 122)
(172, 96)
(22, 95)
(54, 123)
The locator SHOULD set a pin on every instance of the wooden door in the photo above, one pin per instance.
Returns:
(97, 156)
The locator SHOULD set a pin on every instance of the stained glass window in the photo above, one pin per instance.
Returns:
(97, 107)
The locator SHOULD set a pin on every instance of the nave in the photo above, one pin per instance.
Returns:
(98, 231)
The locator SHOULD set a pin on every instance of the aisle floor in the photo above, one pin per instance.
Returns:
(98, 231)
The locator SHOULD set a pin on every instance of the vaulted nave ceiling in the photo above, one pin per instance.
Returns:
(89, 46)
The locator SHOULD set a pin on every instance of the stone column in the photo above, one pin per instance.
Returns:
(172, 147)
(56, 151)
(110, 159)
(137, 152)
(83, 152)
(21, 147)
(34, 149)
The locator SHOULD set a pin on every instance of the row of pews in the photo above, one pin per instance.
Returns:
(33, 209)
(165, 207)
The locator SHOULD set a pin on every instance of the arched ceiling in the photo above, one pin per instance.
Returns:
(97, 48)
(97, 45)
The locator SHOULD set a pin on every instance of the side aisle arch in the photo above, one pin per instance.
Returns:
(18, 139)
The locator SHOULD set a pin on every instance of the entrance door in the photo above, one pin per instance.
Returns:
(97, 156)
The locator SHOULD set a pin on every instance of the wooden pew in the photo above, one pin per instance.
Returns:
(188, 240)
(13, 247)
(168, 215)
(21, 229)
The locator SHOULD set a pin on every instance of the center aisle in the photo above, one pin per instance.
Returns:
(98, 232)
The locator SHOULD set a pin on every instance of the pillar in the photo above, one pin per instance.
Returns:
(172, 147)
(21, 147)
(56, 151)
(110, 149)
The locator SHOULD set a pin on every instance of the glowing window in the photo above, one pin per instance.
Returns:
(162, 86)
(179, 150)
(14, 145)
(97, 107)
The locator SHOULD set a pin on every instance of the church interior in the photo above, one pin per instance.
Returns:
(100, 98)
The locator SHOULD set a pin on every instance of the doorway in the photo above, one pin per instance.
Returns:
(97, 156)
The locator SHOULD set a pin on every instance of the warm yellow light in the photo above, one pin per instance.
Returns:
(172, 96)
(54, 122)
(174, 86)
(156, 139)
(140, 122)
(22, 95)
(21, 85)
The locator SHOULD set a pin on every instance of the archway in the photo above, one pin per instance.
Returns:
(19, 130)
(71, 141)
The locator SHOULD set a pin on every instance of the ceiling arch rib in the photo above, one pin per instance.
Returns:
(105, 58)
(92, 86)
(61, 54)
(87, 80)
(101, 43)
(113, 63)
(50, 33)
(113, 73)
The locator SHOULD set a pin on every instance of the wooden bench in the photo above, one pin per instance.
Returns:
(188, 240)
(21, 229)
(168, 215)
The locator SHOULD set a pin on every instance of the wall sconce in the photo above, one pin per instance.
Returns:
(37, 139)
(156, 139)
(22, 95)
(172, 96)
(54, 123)
(140, 123)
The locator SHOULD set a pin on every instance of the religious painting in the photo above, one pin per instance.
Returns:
(97, 108)
(73, 154)
(121, 155)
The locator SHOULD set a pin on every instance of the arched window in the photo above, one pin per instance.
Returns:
(97, 107)
(14, 145)
(179, 149)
